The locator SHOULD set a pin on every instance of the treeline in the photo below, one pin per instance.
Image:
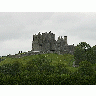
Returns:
(54, 70)
(84, 52)
(37, 71)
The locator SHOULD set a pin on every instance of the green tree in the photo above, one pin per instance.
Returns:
(82, 51)
(93, 55)
(10, 69)
(86, 68)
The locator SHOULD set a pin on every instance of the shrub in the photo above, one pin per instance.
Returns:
(11, 69)
(86, 68)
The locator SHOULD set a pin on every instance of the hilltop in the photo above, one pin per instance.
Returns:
(30, 69)
(42, 69)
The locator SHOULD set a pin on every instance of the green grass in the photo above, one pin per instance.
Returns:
(42, 69)
(66, 59)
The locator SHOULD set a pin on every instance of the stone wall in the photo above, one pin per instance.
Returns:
(46, 42)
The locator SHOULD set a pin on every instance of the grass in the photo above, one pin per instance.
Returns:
(44, 69)
(65, 59)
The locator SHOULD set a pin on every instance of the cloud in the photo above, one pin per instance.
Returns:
(19, 27)
(14, 46)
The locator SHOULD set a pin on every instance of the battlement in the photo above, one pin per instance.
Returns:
(46, 42)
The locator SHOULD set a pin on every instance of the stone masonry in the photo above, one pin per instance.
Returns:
(46, 42)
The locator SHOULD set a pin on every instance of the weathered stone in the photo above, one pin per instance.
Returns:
(46, 42)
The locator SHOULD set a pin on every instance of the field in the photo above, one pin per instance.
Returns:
(44, 69)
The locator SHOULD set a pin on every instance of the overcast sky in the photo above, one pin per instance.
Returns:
(17, 28)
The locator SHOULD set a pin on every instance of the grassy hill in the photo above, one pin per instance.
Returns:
(67, 60)
(44, 69)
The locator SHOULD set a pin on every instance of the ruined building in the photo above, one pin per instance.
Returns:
(46, 42)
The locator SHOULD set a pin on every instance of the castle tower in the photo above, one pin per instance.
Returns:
(35, 43)
(65, 39)
(46, 42)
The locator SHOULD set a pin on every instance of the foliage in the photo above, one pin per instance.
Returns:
(84, 51)
(11, 69)
(46, 69)
(86, 68)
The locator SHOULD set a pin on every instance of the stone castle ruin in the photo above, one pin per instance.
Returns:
(46, 43)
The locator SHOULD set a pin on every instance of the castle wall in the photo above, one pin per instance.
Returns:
(46, 42)
(65, 39)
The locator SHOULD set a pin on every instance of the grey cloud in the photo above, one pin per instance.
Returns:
(78, 26)
(15, 25)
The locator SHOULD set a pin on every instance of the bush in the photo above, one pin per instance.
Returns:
(86, 68)
(61, 69)
(11, 69)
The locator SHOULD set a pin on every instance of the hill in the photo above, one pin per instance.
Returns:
(43, 69)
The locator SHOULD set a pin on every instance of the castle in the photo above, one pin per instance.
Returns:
(46, 43)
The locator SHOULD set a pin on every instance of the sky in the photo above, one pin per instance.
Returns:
(74, 18)
(17, 28)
